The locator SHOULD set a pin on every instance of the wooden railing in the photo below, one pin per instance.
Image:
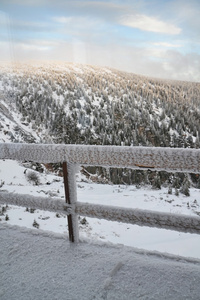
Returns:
(168, 159)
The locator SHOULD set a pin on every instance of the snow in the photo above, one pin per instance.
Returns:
(140, 217)
(50, 195)
(42, 265)
(156, 158)
(91, 269)
(181, 223)
(12, 119)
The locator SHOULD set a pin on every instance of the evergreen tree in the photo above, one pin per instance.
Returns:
(185, 187)
(156, 182)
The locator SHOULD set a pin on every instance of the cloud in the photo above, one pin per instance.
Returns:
(167, 45)
(182, 66)
(144, 22)
(31, 26)
(26, 49)
(29, 47)
(25, 2)
(152, 61)
(36, 45)
(98, 32)
(62, 19)
(82, 28)
(122, 14)
(80, 22)
(186, 13)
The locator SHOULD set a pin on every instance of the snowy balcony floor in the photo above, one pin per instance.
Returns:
(39, 265)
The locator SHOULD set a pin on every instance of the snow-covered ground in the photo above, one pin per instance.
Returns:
(37, 264)
(14, 178)
(42, 265)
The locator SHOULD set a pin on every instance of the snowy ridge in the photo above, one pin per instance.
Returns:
(181, 223)
(156, 158)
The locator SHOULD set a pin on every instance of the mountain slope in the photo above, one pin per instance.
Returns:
(83, 104)
(71, 103)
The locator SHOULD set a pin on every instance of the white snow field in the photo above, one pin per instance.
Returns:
(41, 265)
(178, 243)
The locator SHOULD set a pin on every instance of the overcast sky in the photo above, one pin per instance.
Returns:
(159, 38)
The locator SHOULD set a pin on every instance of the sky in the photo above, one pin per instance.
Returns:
(158, 38)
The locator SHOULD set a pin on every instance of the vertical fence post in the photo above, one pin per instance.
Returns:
(70, 198)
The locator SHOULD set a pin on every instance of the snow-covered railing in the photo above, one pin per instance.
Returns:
(156, 158)
(167, 159)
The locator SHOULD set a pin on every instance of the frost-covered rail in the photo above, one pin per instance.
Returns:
(168, 159)
(157, 158)
(43, 203)
(181, 223)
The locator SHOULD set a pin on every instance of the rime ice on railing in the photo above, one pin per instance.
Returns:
(168, 159)
(156, 158)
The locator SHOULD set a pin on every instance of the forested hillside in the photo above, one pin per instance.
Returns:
(68, 103)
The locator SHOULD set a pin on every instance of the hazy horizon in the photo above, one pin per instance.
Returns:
(152, 38)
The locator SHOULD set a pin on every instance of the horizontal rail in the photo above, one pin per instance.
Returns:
(155, 158)
(181, 223)
(43, 203)
(166, 159)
